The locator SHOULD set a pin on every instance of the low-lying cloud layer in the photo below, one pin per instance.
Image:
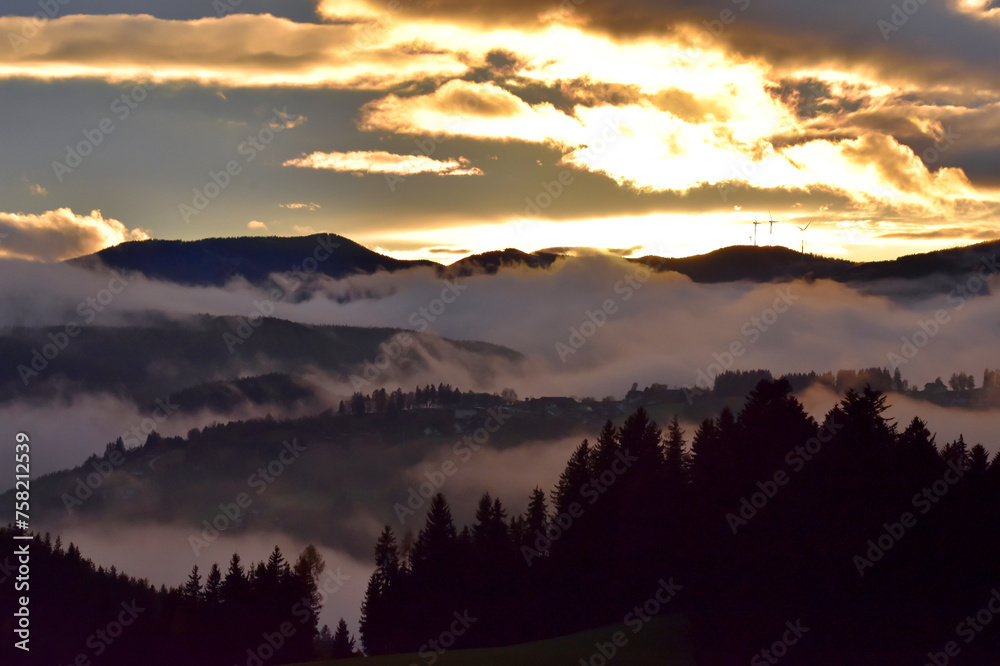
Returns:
(590, 326)
(593, 325)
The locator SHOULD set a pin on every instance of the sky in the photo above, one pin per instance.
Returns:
(434, 129)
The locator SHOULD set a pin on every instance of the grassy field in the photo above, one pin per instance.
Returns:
(662, 642)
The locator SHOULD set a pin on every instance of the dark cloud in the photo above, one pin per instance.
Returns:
(504, 62)
(811, 98)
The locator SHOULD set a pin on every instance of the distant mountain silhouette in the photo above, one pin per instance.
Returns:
(215, 261)
(491, 262)
(744, 262)
(766, 264)
(958, 260)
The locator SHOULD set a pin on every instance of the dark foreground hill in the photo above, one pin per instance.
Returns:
(853, 540)
(663, 642)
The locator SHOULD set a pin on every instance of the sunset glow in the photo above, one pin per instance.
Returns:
(672, 117)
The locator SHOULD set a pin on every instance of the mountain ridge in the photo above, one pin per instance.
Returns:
(216, 261)
(146, 362)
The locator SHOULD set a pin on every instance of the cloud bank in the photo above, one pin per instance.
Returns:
(60, 234)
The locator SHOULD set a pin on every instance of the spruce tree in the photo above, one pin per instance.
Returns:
(343, 643)
(578, 472)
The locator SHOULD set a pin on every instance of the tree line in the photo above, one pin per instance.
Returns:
(380, 401)
(870, 533)
(732, 383)
(84, 613)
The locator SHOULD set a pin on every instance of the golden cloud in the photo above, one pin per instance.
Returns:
(659, 106)
(239, 49)
(651, 145)
(377, 161)
(60, 234)
(463, 108)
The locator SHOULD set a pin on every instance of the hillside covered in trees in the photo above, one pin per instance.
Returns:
(221, 616)
(870, 541)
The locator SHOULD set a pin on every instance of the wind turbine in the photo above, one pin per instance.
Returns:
(803, 230)
(772, 221)
(755, 224)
